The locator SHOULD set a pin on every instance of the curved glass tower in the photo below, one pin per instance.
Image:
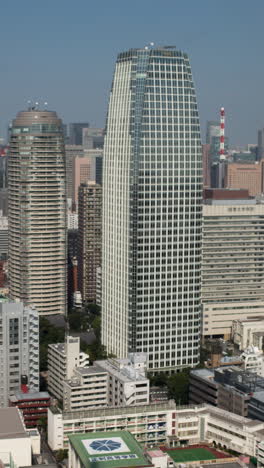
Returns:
(152, 194)
(37, 211)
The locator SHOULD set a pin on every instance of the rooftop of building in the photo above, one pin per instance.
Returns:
(259, 395)
(116, 411)
(11, 426)
(113, 449)
(124, 368)
(207, 374)
(250, 320)
(18, 396)
(35, 115)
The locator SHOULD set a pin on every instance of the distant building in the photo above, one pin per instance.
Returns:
(72, 220)
(33, 406)
(93, 138)
(76, 133)
(19, 349)
(260, 147)
(89, 238)
(96, 156)
(245, 176)
(232, 260)
(83, 171)
(206, 165)
(71, 152)
(63, 358)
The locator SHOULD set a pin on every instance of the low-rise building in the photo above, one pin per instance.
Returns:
(112, 382)
(88, 388)
(115, 448)
(227, 388)
(160, 423)
(33, 406)
(19, 349)
(14, 439)
(128, 384)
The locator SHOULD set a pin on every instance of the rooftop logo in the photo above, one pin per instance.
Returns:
(99, 446)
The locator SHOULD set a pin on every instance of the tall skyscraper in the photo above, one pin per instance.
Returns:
(152, 195)
(37, 211)
(89, 238)
(19, 349)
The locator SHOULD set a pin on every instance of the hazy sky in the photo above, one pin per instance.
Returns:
(63, 52)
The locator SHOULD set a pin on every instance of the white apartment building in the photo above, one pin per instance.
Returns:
(160, 423)
(128, 384)
(63, 358)
(19, 349)
(88, 388)
(112, 382)
(253, 360)
(232, 264)
(248, 332)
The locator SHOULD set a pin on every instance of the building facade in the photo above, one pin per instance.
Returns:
(63, 358)
(159, 424)
(71, 152)
(33, 406)
(245, 176)
(89, 238)
(19, 349)
(232, 264)
(83, 171)
(37, 212)
(76, 133)
(152, 185)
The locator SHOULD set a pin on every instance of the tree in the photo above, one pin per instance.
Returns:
(61, 455)
(178, 386)
(48, 334)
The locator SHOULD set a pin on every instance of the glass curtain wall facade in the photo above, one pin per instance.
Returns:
(152, 193)
(37, 212)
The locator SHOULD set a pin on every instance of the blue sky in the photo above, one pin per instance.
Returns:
(63, 52)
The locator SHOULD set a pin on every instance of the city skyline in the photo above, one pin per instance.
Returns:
(71, 67)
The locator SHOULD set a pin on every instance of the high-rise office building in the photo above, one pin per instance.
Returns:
(76, 133)
(152, 193)
(89, 238)
(260, 147)
(19, 349)
(37, 212)
(232, 261)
